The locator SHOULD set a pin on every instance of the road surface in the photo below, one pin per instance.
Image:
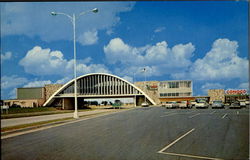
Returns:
(152, 133)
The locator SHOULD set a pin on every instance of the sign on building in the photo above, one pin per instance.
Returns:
(236, 92)
(152, 87)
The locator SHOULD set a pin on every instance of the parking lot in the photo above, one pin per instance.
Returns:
(150, 133)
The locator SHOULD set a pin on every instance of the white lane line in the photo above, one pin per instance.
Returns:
(191, 156)
(224, 116)
(168, 115)
(213, 112)
(161, 151)
(194, 115)
(237, 112)
(169, 112)
(190, 112)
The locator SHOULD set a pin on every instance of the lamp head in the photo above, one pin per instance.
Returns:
(95, 10)
(53, 13)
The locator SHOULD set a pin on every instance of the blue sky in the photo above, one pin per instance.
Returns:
(206, 42)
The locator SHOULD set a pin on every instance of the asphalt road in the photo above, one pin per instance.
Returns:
(153, 133)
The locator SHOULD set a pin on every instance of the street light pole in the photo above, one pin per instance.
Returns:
(144, 69)
(73, 20)
(75, 93)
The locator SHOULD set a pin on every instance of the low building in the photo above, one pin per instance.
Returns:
(216, 94)
(32, 96)
(228, 96)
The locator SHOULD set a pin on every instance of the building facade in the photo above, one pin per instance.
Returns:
(32, 96)
(163, 91)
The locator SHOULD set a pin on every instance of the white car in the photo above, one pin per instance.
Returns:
(247, 103)
(242, 103)
(172, 105)
(183, 104)
(144, 104)
(201, 104)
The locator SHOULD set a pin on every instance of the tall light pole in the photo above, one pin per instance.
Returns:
(134, 84)
(73, 20)
(144, 70)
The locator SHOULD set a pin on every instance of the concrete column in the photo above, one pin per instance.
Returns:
(67, 103)
(127, 88)
(98, 84)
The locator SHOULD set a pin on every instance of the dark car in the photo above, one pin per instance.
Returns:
(235, 104)
(218, 104)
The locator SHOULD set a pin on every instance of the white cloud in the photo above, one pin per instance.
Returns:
(159, 29)
(159, 59)
(12, 81)
(40, 61)
(34, 18)
(6, 56)
(220, 63)
(208, 86)
(63, 80)
(109, 31)
(88, 38)
(92, 68)
(12, 94)
(128, 78)
(37, 83)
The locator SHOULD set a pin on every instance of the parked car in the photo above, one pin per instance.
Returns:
(247, 103)
(242, 103)
(218, 104)
(201, 104)
(144, 104)
(235, 104)
(192, 103)
(183, 104)
(172, 104)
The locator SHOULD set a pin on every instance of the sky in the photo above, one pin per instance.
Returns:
(202, 41)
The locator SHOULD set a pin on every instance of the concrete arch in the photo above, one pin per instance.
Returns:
(98, 82)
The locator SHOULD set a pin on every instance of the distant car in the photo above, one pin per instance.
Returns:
(163, 104)
(242, 103)
(235, 104)
(144, 104)
(168, 105)
(172, 104)
(218, 104)
(247, 103)
(201, 104)
(192, 103)
(15, 106)
(183, 104)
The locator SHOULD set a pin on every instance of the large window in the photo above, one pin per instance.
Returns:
(169, 94)
(173, 84)
(185, 84)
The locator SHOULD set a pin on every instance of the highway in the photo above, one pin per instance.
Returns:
(151, 133)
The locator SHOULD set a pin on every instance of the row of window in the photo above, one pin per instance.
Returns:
(180, 84)
(175, 94)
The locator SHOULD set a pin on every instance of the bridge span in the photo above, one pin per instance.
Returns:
(97, 85)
